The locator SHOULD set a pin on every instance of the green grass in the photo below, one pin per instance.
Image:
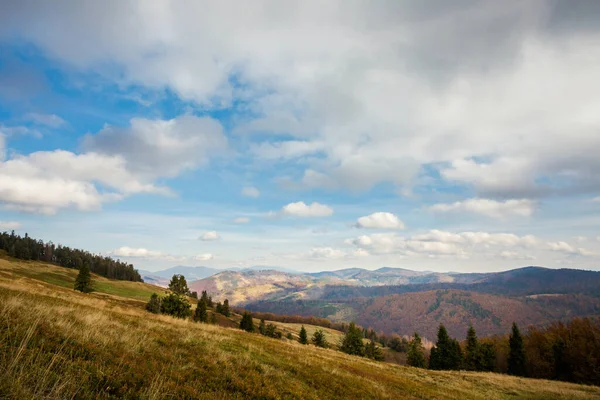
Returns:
(56, 343)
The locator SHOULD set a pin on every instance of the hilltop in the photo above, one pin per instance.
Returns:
(62, 344)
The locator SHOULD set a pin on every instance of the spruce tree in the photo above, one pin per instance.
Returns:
(352, 342)
(201, 315)
(219, 308)
(213, 318)
(261, 327)
(247, 323)
(446, 355)
(225, 309)
(516, 356)
(318, 338)
(373, 351)
(416, 353)
(303, 337)
(487, 357)
(472, 351)
(178, 285)
(83, 282)
(204, 297)
(154, 304)
(176, 305)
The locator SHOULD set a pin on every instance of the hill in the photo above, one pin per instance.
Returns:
(57, 343)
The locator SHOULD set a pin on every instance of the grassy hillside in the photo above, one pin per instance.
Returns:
(57, 343)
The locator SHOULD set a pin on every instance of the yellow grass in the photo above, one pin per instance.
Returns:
(56, 343)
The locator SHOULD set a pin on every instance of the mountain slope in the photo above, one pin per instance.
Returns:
(64, 344)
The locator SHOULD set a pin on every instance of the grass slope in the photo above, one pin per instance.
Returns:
(58, 343)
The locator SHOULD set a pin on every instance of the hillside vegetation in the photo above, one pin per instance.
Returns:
(57, 343)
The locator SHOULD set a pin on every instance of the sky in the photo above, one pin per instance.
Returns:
(430, 135)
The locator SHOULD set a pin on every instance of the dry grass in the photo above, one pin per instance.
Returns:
(56, 343)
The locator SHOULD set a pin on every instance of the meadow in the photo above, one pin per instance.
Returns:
(56, 343)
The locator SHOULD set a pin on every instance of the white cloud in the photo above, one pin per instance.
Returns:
(241, 220)
(203, 257)
(9, 225)
(19, 131)
(136, 252)
(300, 209)
(250, 191)
(361, 253)
(513, 255)
(491, 208)
(380, 220)
(326, 253)
(49, 120)
(209, 236)
(596, 199)
(563, 247)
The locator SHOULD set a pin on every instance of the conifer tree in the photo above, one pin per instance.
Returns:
(178, 285)
(373, 351)
(213, 318)
(472, 351)
(446, 355)
(303, 337)
(516, 356)
(83, 282)
(204, 297)
(210, 303)
(154, 304)
(416, 353)
(487, 357)
(261, 327)
(219, 308)
(201, 315)
(225, 310)
(247, 323)
(176, 305)
(352, 342)
(318, 338)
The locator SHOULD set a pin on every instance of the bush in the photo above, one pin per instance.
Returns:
(176, 305)
(154, 304)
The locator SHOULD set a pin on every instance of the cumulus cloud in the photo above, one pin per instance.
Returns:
(203, 257)
(300, 209)
(326, 253)
(250, 191)
(563, 247)
(209, 236)
(332, 79)
(380, 220)
(241, 220)
(513, 255)
(491, 208)
(9, 225)
(136, 252)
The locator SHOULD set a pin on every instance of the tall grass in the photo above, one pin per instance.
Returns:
(56, 343)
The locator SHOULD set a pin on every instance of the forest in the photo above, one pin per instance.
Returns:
(26, 248)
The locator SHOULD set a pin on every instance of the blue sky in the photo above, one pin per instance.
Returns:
(406, 134)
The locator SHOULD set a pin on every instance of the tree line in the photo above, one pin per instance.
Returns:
(26, 248)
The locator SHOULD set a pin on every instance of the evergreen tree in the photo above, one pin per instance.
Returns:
(487, 357)
(219, 308)
(213, 318)
(271, 330)
(210, 302)
(516, 356)
(352, 342)
(83, 282)
(176, 305)
(303, 337)
(154, 304)
(416, 353)
(318, 338)
(178, 285)
(446, 355)
(204, 297)
(225, 309)
(373, 351)
(201, 315)
(261, 327)
(247, 324)
(472, 351)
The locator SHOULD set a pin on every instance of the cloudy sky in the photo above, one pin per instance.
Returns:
(448, 136)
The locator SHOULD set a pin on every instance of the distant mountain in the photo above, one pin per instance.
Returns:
(266, 268)
(190, 273)
(150, 277)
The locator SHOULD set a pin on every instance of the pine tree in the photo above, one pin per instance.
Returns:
(154, 304)
(247, 323)
(446, 355)
(352, 342)
(176, 305)
(303, 337)
(83, 282)
(219, 308)
(225, 309)
(204, 297)
(213, 318)
(210, 302)
(472, 351)
(516, 356)
(261, 327)
(201, 315)
(373, 351)
(487, 357)
(178, 285)
(416, 353)
(318, 338)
